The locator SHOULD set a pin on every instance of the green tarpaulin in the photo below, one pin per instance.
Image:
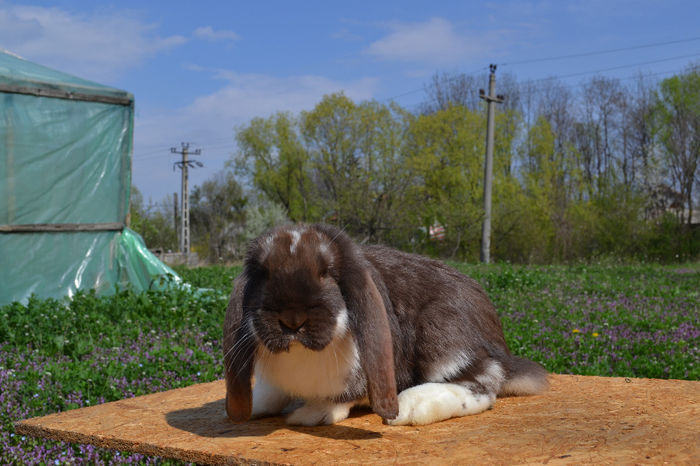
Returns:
(65, 180)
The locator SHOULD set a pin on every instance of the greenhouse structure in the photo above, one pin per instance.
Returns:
(65, 182)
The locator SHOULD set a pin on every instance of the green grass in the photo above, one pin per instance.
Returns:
(215, 277)
(60, 355)
(612, 320)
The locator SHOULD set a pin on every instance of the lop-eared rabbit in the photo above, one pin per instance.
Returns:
(317, 324)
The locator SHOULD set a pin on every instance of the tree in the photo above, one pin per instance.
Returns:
(262, 217)
(604, 145)
(576, 173)
(678, 127)
(217, 217)
(458, 89)
(639, 167)
(357, 160)
(446, 90)
(446, 157)
(543, 179)
(155, 223)
(273, 157)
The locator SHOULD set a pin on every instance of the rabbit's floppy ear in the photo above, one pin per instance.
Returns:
(369, 321)
(374, 342)
(239, 351)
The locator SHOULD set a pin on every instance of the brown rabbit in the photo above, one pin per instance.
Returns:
(319, 319)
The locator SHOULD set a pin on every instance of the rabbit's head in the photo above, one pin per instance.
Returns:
(299, 300)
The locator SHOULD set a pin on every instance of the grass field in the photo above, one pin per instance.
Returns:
(610, 320)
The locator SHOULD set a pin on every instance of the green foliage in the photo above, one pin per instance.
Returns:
(576, 177)
(272, 154)
(571, 192)
(340, 163)
(260, 218)
(604, 319)
(74, 328)
(153, 223)
(217, 277)
(356, 150)
(57, 355)
(446, 158)
(678, 125)
(611, 320)
(217, 213)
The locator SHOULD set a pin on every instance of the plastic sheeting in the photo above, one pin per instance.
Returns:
(64, 161)
(65, 164)
(54, 265)
(20, 73)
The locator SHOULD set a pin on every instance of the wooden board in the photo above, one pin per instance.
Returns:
(579, 420)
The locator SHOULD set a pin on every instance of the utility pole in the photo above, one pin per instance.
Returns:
(184, 165)
(175, 211)
(491, 99)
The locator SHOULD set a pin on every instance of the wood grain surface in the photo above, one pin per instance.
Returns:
(579, 420)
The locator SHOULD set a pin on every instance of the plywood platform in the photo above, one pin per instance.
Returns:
(579, 420)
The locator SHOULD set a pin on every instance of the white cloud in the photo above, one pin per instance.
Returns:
(434, 42)
(209, 121)
(208, 33)
(244, 97)
(97, 47)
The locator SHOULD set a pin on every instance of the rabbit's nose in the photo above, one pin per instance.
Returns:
(292, 321)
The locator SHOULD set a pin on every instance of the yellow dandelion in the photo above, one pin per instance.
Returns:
(576, 331)
(595, 335)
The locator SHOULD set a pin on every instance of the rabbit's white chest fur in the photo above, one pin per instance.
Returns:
(309, 374)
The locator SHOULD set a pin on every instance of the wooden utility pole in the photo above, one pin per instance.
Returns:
(184, 165)
(491, 99)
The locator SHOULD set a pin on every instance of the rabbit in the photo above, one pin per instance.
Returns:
(317, 324)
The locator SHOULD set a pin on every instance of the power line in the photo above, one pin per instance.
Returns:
(142, 154)
(423, 88)
(157, 153)
(157, 147)
(599, 52)
(583, 73)
(160, 153)
(582, 54)
(536, 90)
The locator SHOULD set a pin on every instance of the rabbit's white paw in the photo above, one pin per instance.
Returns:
(433, 402)
(315, 413)
(268, 400)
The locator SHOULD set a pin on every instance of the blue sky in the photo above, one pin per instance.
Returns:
(199, 69)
